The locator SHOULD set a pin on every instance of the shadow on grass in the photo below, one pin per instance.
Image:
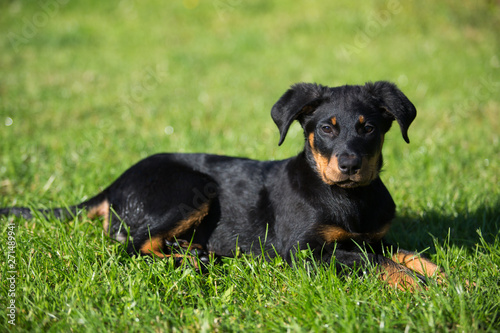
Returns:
(462, 229)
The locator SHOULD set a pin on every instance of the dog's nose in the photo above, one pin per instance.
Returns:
(349, 164)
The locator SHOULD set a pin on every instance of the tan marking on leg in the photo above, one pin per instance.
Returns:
(398, 272)
(153, 246)
(333, 233)
(192, 221)
(418, 264)
(398, 276)
(101, 210)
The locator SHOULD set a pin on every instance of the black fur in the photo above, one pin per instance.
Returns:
(328, 198)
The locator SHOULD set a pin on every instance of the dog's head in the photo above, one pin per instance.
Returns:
(344, 127)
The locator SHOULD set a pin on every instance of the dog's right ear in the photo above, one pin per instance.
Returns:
(300, 99)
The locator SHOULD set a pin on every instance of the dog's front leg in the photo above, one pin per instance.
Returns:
(401, 276)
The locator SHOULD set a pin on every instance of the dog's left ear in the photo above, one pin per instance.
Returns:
(395, 103)
(300, 99)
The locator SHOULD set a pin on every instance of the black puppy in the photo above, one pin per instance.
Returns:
(329, 198)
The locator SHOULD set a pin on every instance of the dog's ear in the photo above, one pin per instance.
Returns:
(300, 99)
(395, 103)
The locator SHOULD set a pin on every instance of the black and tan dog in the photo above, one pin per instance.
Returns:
(329, 198)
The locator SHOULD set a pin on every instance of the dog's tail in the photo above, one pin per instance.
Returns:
(66, 213)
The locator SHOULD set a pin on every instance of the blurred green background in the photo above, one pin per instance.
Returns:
(89, 87)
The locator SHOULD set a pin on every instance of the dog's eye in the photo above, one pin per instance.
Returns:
(327, 129)
(369, 128)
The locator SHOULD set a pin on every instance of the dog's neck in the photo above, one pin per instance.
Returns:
(361, 209)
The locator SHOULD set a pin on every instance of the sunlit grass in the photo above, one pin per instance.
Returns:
(87, 89)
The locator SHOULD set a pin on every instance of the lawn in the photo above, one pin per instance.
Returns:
(88, 88)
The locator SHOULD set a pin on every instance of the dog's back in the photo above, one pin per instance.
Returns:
(328, 198)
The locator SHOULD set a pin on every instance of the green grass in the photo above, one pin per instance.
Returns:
(88, 88)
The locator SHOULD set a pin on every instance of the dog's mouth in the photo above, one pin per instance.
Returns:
(351, 181)
(344, 181)
(331, 174)
(348, 183)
